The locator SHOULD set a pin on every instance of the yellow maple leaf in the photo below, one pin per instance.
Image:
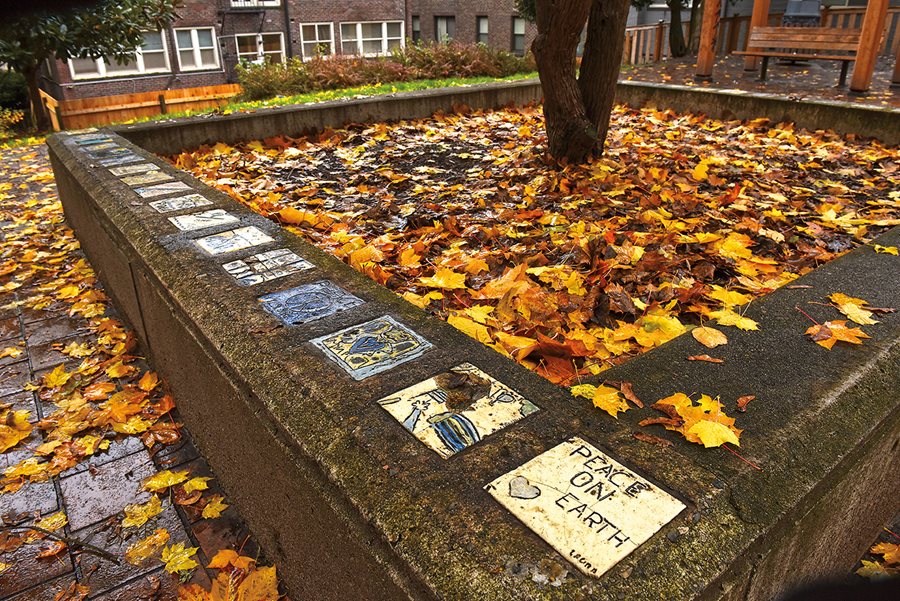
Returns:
(161, 481)
(409, 258)
(830, 332)
(259, 585)
(479, 313)
(446, 279)
(194, 484)
(604, 397)
(148, 381)
(56, 378)
(78, 350)
(214, 507)
(145, 548)
(137, 515)
(727, 317)
(423, 300)
(709, 337)
(470, 328)
(700, 173)
(14, 428)
(120, 370)
(475, 266)
(887, 250)
(854, 308)
(729, 298)
(70, 291)
(711, 434)
(229, 557)
(178, 558)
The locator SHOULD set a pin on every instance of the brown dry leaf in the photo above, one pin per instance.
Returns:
(651, 439)
(706, 358)
(743, 401)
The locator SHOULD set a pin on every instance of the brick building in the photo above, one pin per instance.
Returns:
(210, 37)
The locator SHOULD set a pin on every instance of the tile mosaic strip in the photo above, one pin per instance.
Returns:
(103, 146)
(232, 240)
(92, 139)
(179, 203)
(122, 159)
(457, 408)
(308, 302)
(266, 266)
(161, 189)
(143, 179)
(198, 221)
(585, 504)
(133, 169)
(372, 347)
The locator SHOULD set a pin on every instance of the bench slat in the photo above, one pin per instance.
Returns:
(823, 57)
(831, 47)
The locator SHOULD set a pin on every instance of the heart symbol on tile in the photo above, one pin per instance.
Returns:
(521, 488)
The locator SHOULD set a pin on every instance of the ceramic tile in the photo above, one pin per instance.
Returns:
(457, 408)
(180, 203)
(232, 240)
(143, 179)
(122, 159)
(308, 302)
(266, 266)
(77, 133)
(161, 189)
(102, 146)
(372, 347)
(198, 221)
(92, 139)
(585, 504)
(132, 169)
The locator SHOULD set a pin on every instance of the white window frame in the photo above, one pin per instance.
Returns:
(317, 41)
(138, 62)
(195, 46)
(384, 36)
(254, 3)
(260, 55)
(479, 19)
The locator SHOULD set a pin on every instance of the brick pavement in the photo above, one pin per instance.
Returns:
(94, 492)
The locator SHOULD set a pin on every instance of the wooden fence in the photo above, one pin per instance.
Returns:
(103, 110)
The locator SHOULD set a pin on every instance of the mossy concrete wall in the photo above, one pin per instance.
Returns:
(171, 136)
(351, 506)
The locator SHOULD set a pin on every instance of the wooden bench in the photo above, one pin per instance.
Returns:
(826, 43)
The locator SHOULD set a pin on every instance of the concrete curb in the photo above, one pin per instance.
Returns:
(351, 506)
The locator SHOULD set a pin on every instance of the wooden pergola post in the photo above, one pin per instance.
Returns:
(709, 30)
(759, 18)
(869, 42)
(895, 80)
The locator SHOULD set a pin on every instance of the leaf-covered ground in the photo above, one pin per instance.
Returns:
(571, 269)
(101, 490)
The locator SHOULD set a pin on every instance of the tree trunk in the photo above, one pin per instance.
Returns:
(570, 134)
(602, 61)
(694, 29)
(38, 115)
(677, 46)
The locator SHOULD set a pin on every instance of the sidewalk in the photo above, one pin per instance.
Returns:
(84, 439)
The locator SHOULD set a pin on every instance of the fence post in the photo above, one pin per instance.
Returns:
(162, 104)
(895, 79)
(826, 13)
(657, 47)
(708, 32)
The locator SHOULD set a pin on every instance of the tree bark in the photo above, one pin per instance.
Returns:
(601, 62)
(570, 134)
(677, 47)
(39, 119)
(694, 30)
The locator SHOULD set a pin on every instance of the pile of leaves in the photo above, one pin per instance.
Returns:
(416, 61)
(103, 394)
(571, 269)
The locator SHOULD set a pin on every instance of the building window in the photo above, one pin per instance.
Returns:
(260, 47)
(371, 39)
(444, 28)
(150, 57)
(197, 48)
(317, 39)
(254, 3)
(416, 28)
(518, 35)
(481, 30)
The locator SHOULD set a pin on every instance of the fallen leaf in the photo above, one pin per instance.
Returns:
(137, 515)
(446, 279)
(709, 337)
(830, 332)
(178, 558)
(706, 358)
(887, 250)
(162, 480)
(147, 547)
(214, 507)
(743, 401)
(148, 381)
(194, 484)
(650, 438)
(712, 434)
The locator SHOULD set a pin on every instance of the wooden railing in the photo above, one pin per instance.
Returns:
(103, 110)
(647, 43)
(850, 17)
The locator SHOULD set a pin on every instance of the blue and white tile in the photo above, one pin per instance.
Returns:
(267, 266)
(308, 302)
(162, 189)
(372, 347)
(233, 240)
(145, 179)
(457, 408)
(133, 169)
(199, 221)
(180, 203)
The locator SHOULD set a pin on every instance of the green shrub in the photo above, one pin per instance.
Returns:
(13, 90)
(419, 61)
